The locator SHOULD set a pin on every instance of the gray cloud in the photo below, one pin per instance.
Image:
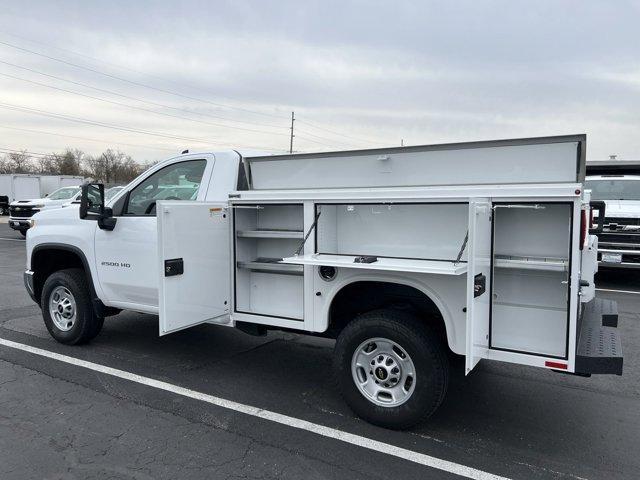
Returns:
(427, 72)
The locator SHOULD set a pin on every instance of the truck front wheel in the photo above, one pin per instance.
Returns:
(391, 368)
(66, 307)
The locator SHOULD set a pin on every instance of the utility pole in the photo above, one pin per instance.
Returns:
(402, 142)
(293, 119)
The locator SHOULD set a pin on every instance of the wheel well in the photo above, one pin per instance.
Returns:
(48, 260)
(360, 297)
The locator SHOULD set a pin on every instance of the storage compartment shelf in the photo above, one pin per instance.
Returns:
(531, 263)
(270, 234)
(272, 265)
(390, 264)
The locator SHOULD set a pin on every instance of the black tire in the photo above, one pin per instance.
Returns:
(426, 351)
(87, 324)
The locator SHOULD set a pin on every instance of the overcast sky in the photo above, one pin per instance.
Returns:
(165, 76)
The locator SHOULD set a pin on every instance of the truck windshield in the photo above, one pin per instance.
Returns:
(64, 193)
(614, 189)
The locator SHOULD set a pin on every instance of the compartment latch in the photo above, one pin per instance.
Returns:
(172, 267)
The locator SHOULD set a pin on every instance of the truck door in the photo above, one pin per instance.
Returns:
(479, 276)
(194, 268)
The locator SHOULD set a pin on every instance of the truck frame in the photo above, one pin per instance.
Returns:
(401, 254)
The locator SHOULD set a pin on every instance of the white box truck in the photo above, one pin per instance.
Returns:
(400, 254)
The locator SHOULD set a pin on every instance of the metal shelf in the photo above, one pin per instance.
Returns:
(531, 263)
(389, 264)
(271, 265)
(270, 234)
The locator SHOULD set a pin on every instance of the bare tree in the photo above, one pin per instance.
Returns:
(20, 162)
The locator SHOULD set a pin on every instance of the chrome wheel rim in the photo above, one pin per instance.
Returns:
(383, 372)
(62, 308)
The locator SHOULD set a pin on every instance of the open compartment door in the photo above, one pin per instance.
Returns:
(194, 264)
(479, 277)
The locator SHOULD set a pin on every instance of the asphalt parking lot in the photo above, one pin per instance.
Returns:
(60, 421)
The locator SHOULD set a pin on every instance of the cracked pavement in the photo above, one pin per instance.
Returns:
(59, 421)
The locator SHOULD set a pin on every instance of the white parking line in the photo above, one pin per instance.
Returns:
(617, 291)
(12, 239)
(364, 442)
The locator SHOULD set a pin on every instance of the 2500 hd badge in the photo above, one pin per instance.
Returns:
(116, 264)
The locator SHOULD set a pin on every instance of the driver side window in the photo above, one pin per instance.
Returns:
(178, 181)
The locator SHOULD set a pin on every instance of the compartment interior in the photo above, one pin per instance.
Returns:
(264, 234)
(530, 278)
(427, 231)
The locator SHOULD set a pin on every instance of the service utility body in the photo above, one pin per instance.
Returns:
(403, 255)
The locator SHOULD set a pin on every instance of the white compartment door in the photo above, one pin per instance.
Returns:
(193, 264)
(478, 281)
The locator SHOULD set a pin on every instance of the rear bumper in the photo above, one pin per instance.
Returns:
(599, 346)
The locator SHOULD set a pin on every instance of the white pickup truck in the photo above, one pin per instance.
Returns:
(401, 254)
(620, 235)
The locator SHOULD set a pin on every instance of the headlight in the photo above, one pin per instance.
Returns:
(32, 223)
(37, 206)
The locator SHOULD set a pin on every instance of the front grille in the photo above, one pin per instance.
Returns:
(611, 221)
(22, 212)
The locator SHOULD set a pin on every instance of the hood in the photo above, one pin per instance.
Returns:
(30, 203)
(622, 208)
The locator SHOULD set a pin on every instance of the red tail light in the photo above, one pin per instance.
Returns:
(584, 228)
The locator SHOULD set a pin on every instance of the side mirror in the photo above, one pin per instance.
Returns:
(92, 201)
(92, 206)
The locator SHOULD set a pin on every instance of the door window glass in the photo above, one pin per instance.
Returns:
(179, 181)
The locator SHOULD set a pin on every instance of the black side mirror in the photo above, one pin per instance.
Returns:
(92, 206)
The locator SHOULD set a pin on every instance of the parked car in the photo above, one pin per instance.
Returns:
(21, 211)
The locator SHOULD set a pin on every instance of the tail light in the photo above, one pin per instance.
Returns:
(584, 228)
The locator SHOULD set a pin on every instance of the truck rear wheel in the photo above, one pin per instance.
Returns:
(391, 368)
(66, 307)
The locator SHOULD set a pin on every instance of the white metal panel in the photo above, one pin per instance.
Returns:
(479, 264)
(505, 163)
(454, 193)
(49, 183)
(428, 231)
(26, 188)
(68, 181)
(198, 233)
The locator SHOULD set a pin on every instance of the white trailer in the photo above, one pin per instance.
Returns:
(18, 187)
(401, 254)
(50, 183)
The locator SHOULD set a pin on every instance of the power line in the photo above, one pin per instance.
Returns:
(137, 108)
(41, 132)
(149, 102)
(163, 90)
(112, 65)
(26, 152)
(70, 118)
(328, 139)
(139, 84)
(337, 133)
